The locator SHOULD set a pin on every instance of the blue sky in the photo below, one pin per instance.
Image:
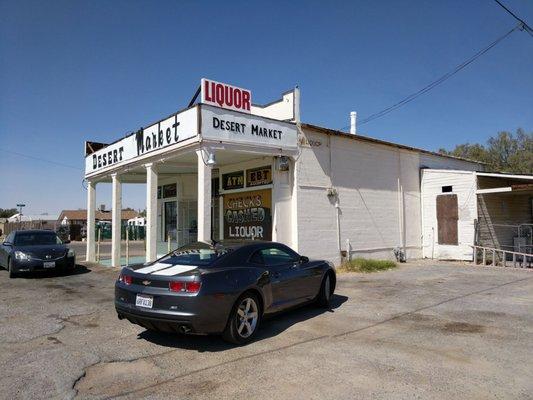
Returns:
(72, 71)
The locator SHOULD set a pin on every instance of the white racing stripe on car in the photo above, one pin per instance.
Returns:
(154, 268)
(176, 269)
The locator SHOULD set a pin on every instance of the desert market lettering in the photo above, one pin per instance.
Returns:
(108, 158)
(156, 140)
(241, 128)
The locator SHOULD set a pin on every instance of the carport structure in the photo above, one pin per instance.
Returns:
(505, 210)
(183, 159)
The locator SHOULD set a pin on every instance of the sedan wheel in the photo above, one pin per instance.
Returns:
(244, 320)
(10, 268)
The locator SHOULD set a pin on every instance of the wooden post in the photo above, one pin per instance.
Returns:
(127, 245)
(484, 256)
(524, 260)
(475, 255)
(504, 258)
(98, 246)
(514, 260)
(493, 257)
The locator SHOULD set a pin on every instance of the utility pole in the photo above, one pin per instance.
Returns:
(20, 206)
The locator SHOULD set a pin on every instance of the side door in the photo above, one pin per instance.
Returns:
(282, 265)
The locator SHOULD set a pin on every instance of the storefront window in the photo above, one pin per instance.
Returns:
(169, 191)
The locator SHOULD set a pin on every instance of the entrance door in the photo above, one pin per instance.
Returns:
(171, 220)
(447, 217)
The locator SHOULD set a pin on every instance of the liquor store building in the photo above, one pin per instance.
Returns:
(225, 168)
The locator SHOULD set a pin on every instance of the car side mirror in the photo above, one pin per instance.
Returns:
(6, 243)
(304, 260)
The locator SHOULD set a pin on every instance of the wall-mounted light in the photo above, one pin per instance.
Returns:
(211, 160)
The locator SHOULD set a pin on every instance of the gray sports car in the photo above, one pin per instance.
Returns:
(221, 288)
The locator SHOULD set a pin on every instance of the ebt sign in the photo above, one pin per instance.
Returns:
(226, 96)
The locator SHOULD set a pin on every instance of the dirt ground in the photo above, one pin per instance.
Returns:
(426, 330)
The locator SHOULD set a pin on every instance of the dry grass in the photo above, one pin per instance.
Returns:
(366, 265)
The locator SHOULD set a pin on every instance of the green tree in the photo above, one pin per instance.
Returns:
(504, 152)
(7, 212)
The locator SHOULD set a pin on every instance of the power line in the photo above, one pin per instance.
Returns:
(435, 83)
(525, 26)
(40, 159)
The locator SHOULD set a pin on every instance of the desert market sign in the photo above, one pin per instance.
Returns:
(248, 215)
(223, 125)
(162, 134)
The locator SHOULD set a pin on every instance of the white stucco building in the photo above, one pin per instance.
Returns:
(228, 169)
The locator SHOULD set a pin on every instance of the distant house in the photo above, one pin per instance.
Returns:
(137, 221)
(32, 218)
(79, 217)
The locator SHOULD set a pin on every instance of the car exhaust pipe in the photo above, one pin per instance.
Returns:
(184, 329)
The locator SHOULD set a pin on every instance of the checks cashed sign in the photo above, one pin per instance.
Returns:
(248, 215)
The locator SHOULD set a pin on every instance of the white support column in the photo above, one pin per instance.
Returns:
(204, 198)
(91, 222)
(116, 219)
(151, 213)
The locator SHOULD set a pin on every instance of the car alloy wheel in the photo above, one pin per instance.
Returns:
(246, 317)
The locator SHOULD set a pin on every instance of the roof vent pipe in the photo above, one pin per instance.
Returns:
(353, 119)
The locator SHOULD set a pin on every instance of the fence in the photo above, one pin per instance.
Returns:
(25, 225)
(504, 258)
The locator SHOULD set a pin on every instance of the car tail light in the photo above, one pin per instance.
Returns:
(184, 286)
(126, 279)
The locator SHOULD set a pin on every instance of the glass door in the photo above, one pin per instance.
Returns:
(171, 221)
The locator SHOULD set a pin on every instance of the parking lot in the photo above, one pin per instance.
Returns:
(421, 331)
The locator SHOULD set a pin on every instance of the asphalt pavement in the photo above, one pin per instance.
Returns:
(426, 330)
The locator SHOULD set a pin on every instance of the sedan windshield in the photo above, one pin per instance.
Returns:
(36, 238)
(201, 254)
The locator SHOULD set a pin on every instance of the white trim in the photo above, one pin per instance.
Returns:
(505, 176)
(495, 190)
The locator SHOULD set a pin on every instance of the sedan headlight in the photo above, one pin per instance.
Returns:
(71, 253)
(19, 255)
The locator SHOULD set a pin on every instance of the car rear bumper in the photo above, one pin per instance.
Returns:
(173, 313)
(31, 265)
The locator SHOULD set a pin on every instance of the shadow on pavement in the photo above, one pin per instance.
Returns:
(270, 327)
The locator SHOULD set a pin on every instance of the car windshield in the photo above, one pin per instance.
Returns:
(200, 254)
(36, 238)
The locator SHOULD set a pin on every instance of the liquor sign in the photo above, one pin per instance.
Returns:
(248, 215)
(226, 96)
(233, 180)
(259, 176)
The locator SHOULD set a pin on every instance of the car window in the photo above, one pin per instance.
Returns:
(275, 256)
(257, 258)
(199, 254)
(36, 238)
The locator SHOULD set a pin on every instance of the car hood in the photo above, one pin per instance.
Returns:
(50, 251)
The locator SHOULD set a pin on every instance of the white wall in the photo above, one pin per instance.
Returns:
(378, 198)
(464, 186)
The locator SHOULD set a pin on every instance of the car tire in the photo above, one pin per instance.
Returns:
(10, 269)
(244, 320)
(324, 296)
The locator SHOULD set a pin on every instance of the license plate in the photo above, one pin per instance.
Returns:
(49, 264)
(144, 301)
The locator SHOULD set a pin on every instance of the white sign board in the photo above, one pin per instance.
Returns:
(233, 127)
(162, 134)
(226, 96)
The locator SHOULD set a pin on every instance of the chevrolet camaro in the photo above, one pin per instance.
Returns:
(221, 288)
